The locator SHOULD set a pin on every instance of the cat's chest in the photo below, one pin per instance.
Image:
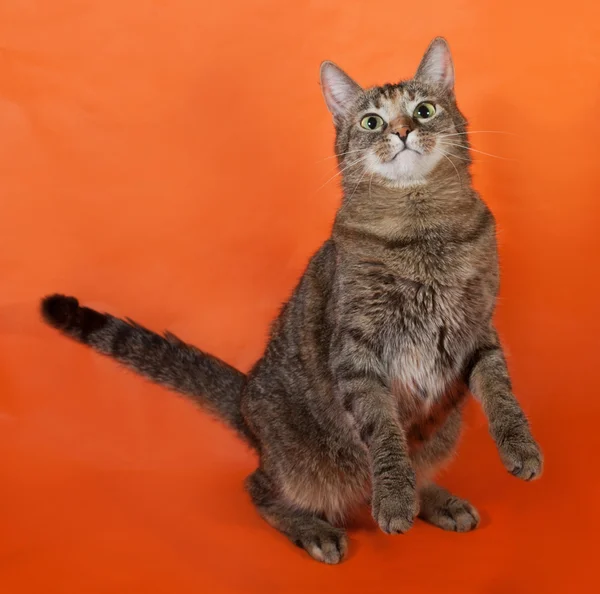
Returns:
(426, 332)
(427, 342)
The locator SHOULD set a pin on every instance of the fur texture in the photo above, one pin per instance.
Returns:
(358, 395)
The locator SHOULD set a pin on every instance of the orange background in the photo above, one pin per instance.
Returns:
(162, 160)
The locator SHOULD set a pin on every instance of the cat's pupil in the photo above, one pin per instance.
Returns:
(372, 123)
(423, 111)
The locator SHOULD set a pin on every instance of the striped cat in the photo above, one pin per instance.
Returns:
(358, 395)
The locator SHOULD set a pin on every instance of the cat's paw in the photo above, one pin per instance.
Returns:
(324, 543)
(451, 513)
(522, 457)
(395, 508)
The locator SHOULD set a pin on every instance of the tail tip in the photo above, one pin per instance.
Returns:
(59, 310)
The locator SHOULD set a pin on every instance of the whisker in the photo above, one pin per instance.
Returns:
(451, 163)
(455, 156)
(477, 151)
(482, 132)
(333, 157)
(356, 186)
(340, 155)
(341, 171)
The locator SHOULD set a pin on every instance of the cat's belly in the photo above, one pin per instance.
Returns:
(430, 336)
(422, 368)
(416, 371)
(427, 385)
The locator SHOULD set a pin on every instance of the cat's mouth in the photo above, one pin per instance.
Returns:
(403, 150)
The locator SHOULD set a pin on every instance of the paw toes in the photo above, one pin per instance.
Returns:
(395, 515)
(396, 525)
(328, 547)
(456, 515)
(528, 470)
(466, 522)
(443, 521)
(516, 470)
(465, 516)
(522, 458)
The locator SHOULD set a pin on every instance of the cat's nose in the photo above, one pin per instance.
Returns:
(401, 127)
(402, 132)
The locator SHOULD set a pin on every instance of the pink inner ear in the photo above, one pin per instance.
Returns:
(446, 63)
(446, 71)
(333, 97)
(339, 90)
(437, 66)
(448, 74)
(334, 93)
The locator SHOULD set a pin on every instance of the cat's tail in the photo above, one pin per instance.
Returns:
(165, 360)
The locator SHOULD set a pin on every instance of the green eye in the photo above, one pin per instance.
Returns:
(372, 122)
(424, 111)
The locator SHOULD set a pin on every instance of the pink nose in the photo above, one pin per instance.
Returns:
(402, 127)
(402, 131)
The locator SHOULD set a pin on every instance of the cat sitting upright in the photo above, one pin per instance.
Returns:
(358, 395)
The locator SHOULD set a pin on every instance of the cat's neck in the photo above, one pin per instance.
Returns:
(380, 209)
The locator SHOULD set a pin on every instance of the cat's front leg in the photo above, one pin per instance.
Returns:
(366, 397)
(489, 382)
(395, 502)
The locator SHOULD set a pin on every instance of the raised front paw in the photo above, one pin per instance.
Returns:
(395, 504)
(522, 456)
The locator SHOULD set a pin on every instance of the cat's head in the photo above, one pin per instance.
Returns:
(398, 134)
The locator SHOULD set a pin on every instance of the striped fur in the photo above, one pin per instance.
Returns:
(165, 360)
(358, 395)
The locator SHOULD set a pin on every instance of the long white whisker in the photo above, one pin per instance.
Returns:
(358, 184)
(334, 156)
(476, 151)
(456, 156)
(340, 154)
(480, 132)
(451, 163)
(341, 171)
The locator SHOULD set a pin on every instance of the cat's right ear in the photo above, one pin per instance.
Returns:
(339, 90)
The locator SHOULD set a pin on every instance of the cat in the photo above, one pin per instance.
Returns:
(358, 396)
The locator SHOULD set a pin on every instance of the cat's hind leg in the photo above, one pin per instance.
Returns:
(440, 508)
(437, 505)
(318, 538)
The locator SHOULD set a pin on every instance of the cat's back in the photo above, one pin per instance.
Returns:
(297, 352)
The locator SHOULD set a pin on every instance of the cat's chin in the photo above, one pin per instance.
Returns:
(402, 164)
(406, 169)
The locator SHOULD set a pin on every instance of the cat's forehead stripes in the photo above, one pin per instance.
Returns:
(390, 100)
(380, 96)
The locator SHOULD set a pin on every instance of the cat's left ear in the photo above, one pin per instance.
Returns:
(339, 90)
(436, 67)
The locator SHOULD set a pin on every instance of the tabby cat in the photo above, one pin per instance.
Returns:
(358, 395)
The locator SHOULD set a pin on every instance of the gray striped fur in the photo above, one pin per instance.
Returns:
(358, 395)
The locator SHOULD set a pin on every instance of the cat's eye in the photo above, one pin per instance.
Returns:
(424, 111)
(372, 122)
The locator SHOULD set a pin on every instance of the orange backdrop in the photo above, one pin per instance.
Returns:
(162, 160)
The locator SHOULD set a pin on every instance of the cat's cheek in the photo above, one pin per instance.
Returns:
(425, 144)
